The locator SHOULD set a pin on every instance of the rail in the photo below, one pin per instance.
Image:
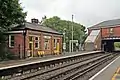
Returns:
(16, 72)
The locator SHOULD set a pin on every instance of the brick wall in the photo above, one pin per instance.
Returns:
(106, 33)
(19, 40)
(18, 48)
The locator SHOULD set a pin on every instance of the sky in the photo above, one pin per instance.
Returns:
(86, 12)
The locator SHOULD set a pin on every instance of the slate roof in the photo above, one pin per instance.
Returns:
(35, 26)
(105, 24)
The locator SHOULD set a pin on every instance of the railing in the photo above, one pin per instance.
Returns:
(110, 37)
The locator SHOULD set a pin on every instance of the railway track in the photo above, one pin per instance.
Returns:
(76, 71)
(87, 71)
(73, 68)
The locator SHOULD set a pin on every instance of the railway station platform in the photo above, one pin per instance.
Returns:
(109, 72)
(15, 63)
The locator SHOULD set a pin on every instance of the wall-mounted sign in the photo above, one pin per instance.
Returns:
(47, 37)
(64, 46)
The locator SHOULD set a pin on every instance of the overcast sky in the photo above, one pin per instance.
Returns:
(86, 12)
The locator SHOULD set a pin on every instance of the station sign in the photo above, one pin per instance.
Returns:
(64, 46)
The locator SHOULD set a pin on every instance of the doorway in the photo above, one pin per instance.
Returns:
(31, 46)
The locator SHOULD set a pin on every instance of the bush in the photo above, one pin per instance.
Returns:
(117, 45)
(5, 54)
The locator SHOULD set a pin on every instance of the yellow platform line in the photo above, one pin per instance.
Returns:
(115, 74)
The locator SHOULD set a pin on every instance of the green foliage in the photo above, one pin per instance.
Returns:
(117, 45)
(66, 26)
(5, 54)
(11, 13)
(2, 79)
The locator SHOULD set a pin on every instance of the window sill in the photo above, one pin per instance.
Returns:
(36, 48)
(12, 47)
(46, 49)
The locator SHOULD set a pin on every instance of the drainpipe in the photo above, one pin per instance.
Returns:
(102, 49)
(24, 34)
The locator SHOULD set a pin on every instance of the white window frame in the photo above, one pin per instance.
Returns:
(48, 44)
(37, 42)
(55, 43)
(10, 41)
(111, 30)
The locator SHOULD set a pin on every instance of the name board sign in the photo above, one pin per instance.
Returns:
(47, 37)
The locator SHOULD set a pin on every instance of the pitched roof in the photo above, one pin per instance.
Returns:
(35, 26)
(105, 24)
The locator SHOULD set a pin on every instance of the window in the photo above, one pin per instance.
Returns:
(30, 38)
(55, 43)
(30, 46)
(36, 38)
(46, 44)
(111, 30)
(11, 41)
(30, 42)
(36, 42)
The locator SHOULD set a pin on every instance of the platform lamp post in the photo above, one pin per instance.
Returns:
(80, 45)
(72, 34)
(24, 34)
(102, 46)
(64, 41)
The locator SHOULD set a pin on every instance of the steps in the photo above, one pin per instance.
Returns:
(93, 42)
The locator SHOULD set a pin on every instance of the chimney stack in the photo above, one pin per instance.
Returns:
(35, 20)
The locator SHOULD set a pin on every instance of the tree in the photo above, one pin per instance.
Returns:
(11, 13)
(117, 45)
(43, 20)
(65, 26)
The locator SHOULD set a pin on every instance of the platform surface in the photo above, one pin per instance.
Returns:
(14, 63)
(107, 72)
(116, 75)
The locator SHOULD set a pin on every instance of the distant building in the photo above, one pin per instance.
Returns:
(99, 34)
(33, 39)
